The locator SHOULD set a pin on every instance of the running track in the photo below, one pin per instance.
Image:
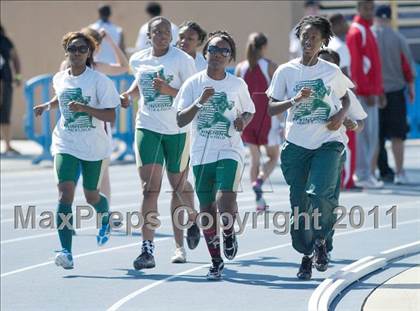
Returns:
(262, 276)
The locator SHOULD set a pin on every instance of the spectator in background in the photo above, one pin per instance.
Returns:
(311, 7)
(397, 76)
(8, 54)
(366, 73)
(340, 28)
(107, 54)
(338, 44)
(153, 9)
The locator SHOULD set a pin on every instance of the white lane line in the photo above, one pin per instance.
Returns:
(142, 290)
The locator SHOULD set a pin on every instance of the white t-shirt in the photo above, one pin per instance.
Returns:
(213, 134)
(106, 53)
(355, 113)
(143, 42)
(78, 133)
(338, 45)
(157, 112)
(200, 62)
(306, 122)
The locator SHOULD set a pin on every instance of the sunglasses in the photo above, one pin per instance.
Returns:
(213, 49)
(81, 49)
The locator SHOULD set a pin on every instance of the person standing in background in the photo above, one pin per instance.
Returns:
(311, 7)
(8, 54)
(338, 44)
(153, 9)
(106, 54)
(398, 74)
(366, 73)
(340, 28)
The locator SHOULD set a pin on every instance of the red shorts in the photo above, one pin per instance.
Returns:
(256, 136)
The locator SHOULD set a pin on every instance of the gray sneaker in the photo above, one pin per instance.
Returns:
(144, 261)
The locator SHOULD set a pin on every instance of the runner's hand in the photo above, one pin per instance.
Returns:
(39, 109)
(206, 94)
(239, 124)
(336, 121)
(161, 86)
(76, 107)
(350, 124)
(125, 100)
(304, 93)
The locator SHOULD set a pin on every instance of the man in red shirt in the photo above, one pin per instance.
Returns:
(366, 73)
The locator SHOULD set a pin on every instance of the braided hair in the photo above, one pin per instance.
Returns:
(319, 22)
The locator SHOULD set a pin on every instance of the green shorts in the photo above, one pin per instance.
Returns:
(156, 148)
(223, 175)
(66, 168)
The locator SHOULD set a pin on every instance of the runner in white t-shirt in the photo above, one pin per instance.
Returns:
(314, 93)
(87, 99)
(119, 67)
(160, 71)
(353, 122)
(191, 36)
(219, 107)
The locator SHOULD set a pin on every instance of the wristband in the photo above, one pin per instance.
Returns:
(356, 127)
(48, 107)
(293, 101)
(198, 104)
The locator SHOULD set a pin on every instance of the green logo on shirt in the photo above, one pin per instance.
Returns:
(211, 121)
(75, 121)
(314, 109)
(153, 100)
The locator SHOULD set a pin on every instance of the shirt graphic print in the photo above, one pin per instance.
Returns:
(313, 109)
(153, 100)
(75, 121)
(212, 122)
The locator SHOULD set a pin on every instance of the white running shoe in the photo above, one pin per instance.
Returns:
(370, 183)
(180, 256)
(64, 259)
(400, 179)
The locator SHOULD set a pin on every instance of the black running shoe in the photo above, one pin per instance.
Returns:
(215, 271)
(305, 269)
(144, 261)
(230, 245)
(321, 255)
(193, 236)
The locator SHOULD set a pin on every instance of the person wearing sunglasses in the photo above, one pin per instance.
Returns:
(219, 106)
(120, 67)
(314, 94)
(191, 37)
(160, 71)
(86, 99)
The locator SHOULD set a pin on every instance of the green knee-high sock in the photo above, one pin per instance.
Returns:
(103, 208)
(65, 234)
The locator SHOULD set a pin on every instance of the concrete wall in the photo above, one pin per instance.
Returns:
(36, 28)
